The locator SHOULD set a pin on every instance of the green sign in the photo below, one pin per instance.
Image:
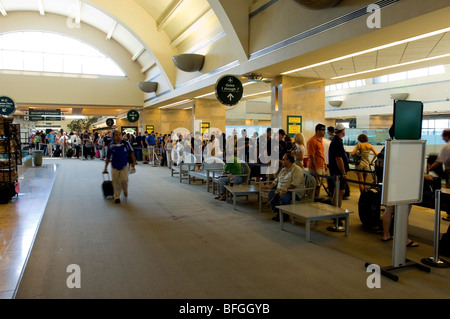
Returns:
(7, 106)
(229, 90)
(205, 127)
(294, 125)
(44, 115)
(133, 116)
(110, 122)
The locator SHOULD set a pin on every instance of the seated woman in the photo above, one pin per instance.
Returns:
(230, 169)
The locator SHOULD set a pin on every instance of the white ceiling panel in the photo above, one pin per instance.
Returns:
(17, 5)
(365, 62)
(96, 18)
(325, 71)
(62, 7)
(124, 37)
(344, 67)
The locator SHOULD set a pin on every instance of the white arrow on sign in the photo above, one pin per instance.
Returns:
(230, 96)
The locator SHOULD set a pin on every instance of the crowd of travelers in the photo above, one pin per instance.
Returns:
(320, 155)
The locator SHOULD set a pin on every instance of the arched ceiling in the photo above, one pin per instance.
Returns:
(154, 30)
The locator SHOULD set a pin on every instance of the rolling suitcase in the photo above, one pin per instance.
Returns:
(107, 186)
(369, 208)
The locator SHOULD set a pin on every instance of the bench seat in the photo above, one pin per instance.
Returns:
(314, 211)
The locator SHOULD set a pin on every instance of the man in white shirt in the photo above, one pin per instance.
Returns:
(290, 177)
(75, 140)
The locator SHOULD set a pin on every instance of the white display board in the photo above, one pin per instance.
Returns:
(403, 173)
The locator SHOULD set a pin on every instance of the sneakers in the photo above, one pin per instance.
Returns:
(333, 228)
(277, 217)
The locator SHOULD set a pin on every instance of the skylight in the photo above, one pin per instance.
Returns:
(49, 52)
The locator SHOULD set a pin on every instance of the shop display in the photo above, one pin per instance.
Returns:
(10, 157)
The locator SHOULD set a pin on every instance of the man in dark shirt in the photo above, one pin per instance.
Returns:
(137, 146)
(338, 162)
(106, 141)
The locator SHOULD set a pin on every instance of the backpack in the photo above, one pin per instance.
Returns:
(356, 158)
(379, 165)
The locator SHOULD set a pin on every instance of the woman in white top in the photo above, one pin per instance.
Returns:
(364, 148)
(299, 149)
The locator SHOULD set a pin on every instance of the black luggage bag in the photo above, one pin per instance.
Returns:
(444, 244)
(107, 186)
(369, 208)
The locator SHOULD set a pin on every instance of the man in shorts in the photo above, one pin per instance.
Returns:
(338, 167)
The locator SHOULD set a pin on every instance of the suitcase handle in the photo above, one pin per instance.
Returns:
(103, 175)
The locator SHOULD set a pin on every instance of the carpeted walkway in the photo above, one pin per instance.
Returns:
(173, 240)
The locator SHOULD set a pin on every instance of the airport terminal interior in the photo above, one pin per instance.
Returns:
(219, 68)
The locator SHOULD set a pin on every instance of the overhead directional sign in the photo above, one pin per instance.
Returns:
(229, 90)
(133, 116)
(7, 105)
(110, 122)
(44, 115)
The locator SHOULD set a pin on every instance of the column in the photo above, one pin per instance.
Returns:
(303, 97)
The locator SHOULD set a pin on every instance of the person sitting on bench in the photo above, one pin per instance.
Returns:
(230, 169)
(290, 177)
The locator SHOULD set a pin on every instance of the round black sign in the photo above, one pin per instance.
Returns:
(133, 116)
(7, 106)
(110, 122)
(229, 90)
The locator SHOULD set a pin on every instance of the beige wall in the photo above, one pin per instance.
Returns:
(166, 121)
(298, 96)
(212, 111)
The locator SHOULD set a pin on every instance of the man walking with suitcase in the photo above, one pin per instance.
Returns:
(118, 152)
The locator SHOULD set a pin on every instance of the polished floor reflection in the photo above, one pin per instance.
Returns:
(19, 222)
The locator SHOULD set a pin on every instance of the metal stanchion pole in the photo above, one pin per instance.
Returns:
(435, 261)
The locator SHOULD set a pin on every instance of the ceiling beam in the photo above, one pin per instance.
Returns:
(138, 54)
(111, 31)
(2, 9)
(234, 18)
(208, 14)
(148, 66)
(169, 14)
(41, 7)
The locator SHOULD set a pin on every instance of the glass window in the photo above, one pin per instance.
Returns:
(397, 76)
(33, 61)
(441, 124)
(72, 64)
(50, 52)
(53, 62)
(13, 60)
(380, 79)
(417, 73)
(434, 70)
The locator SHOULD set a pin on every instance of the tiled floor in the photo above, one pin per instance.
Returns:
(19, 221)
